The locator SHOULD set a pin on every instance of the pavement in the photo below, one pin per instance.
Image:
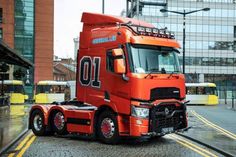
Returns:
(213, 125)
(13, 120)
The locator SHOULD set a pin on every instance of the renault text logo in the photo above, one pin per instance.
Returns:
(167, 111)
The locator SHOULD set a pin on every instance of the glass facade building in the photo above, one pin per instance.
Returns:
(210, 48)
(24, 37)
(27, 26)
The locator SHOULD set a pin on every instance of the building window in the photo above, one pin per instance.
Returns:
(0, 33)
(235, 46)
(234, 31)
(0, 15)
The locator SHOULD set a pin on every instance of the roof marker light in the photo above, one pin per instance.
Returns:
(154, 30)
(148, 30)
(161, 31)
(141, 29)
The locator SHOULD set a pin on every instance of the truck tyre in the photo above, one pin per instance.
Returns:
(59, 124)
(37, 123)
(108, 128)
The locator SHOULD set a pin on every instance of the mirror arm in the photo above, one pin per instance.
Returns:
(125, 78)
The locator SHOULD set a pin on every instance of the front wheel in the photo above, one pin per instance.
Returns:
(108, 128)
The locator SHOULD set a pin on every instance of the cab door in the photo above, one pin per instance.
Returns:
(117, 89)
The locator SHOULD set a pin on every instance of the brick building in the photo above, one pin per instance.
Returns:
(64, 70)
(27, 27)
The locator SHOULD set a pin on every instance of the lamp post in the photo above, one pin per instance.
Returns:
(184, 15)
(103, 6)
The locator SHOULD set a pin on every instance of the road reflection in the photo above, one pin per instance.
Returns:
(13, 120)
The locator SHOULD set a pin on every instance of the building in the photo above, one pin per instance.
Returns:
(64, 69)
(210, 37)
(27, 27)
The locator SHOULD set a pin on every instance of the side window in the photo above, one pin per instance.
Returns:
(0, 15)
(110, 62)
(0, 33)
(191, 90)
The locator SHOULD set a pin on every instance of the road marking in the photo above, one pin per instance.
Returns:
(207, 122)
(24, 141)
(193, 147)
(11, 155)
(20, 154)
(30, 137)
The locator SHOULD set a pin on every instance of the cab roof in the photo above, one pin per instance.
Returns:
(12, 82)
(49, 82)
(102, 19)
(205, 84)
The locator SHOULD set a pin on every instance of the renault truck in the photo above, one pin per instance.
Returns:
(129, 84)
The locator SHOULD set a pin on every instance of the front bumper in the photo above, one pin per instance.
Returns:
(164, 118)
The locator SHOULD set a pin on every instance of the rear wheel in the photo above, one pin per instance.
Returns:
(108, 128)
(59, 124)
(37, 123)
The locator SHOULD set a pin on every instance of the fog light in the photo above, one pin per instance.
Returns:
(139, 122)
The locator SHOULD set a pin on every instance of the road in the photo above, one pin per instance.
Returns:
(206, 124)
(60, 147)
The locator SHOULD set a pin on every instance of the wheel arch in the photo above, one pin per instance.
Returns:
(51, 113)
(39, 108)
(100, 110)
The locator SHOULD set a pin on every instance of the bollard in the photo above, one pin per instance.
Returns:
(233, 102)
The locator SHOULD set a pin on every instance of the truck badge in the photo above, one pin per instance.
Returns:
(167, 111)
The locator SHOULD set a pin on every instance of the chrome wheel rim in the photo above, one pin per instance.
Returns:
(59, 121)
(38, 122)
(107, 127)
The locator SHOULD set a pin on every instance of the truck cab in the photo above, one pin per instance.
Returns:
(131, 69)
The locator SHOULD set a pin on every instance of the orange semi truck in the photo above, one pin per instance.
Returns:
(128, 84)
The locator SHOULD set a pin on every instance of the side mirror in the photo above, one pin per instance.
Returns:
(117, 53)
(119, 63)
(119, 66)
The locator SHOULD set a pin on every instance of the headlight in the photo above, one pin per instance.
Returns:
(139, 112)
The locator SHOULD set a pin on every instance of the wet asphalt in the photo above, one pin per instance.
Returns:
(166, 146)
(219, 116)
(13, 120)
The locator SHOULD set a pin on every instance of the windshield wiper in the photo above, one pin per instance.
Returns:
(151, 72)
(173, 72)
(163, 71)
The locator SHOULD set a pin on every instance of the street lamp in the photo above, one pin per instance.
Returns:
(184, 15)
(103, 6)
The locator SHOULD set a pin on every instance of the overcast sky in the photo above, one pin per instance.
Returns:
(67, 16)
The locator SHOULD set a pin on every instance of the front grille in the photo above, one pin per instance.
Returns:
(165, 93)
(160, 118)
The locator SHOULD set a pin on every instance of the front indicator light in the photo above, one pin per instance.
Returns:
(139, 122)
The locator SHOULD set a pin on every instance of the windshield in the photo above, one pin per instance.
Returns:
(50, 89)
(201, 91)
(156, 59)
(211, 91)
(12, 88)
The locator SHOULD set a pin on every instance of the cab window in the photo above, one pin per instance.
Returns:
(109, 62)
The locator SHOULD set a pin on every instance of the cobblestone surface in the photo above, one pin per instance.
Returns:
(70, 147)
